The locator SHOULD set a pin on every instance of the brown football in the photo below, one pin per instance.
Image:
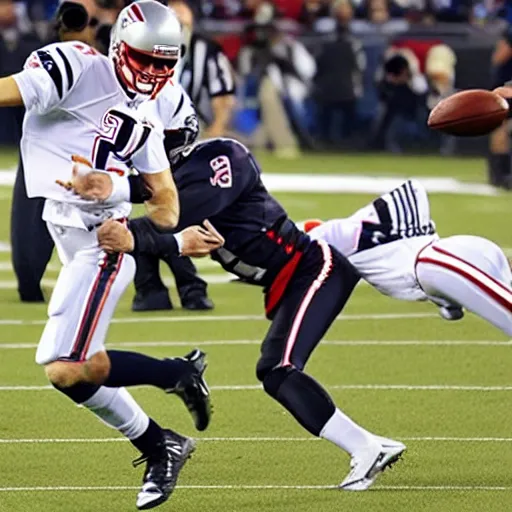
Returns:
(469, 113)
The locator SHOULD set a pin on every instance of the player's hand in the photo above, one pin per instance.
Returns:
(114, 236)
(198, 241)
(504, 92)
(86, 182)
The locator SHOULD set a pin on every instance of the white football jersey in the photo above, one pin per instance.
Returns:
(75, 106)
(383, 239)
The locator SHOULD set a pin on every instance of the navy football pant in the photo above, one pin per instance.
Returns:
(316, 294)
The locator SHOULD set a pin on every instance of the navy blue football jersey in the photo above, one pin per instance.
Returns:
(220, 180)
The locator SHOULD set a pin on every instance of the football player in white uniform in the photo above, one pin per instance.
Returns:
(394, 245)
(92, 109)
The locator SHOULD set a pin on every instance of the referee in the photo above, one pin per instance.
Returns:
(28, 230)
(206, 75)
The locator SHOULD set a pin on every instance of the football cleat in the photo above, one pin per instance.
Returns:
(451, 312)
(370, 463)
(162, 469)
(194, 391)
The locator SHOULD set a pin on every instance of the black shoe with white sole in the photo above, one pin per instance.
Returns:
(163, 467)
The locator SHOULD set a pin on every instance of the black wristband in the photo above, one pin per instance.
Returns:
(150, 240)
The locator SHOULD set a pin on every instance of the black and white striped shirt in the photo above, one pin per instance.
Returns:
(206, 74)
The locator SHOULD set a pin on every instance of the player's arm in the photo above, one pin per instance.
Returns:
(222, 108)
(10, 95)
(163, 208)
(141, 236)
(48, 76)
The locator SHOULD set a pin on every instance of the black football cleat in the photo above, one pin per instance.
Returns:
(163, 467)
(194, 391)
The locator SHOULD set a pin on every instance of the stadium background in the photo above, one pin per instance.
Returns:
(396, 367)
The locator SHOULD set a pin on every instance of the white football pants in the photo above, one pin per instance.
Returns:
(470, 272)
(88, 289)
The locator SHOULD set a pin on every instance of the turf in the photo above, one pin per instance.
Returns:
(397, 368)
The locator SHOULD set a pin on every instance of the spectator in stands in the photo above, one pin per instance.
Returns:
(383, 16)
(283, 69)
(440, 72)
(314, 12)
(458, 11)
(339, 79)
(402, 93)
(499, 161)
(379, 11)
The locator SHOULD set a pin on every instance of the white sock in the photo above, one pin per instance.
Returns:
(118, 409)
(345, 433)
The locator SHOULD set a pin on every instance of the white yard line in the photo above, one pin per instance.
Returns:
(104, 440)
(340, 343)
(356, 387)
(450, 488)
(346, 183)
(142, 318)
(218, 278)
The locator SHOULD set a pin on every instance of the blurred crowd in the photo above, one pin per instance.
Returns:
(305, 77)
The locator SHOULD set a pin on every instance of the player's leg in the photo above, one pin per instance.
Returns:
(191, 288)
(72, 351)
(72, 346)
(151, 294)
(315, 296)
(28, 230)
(469, 272)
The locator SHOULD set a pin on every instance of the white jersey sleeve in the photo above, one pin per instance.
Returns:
(176, 111)
(175, 108)
(50, 73)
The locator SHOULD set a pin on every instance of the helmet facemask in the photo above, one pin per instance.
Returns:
(143, 72)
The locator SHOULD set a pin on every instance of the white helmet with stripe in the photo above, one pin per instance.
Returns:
(145, 46)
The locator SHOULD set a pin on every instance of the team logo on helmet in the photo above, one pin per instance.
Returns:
(132, 15)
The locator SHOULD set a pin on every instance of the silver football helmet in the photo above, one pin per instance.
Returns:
(145, 46)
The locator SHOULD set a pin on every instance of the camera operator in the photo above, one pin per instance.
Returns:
(283, 69)
(402, 92)
(74, 21)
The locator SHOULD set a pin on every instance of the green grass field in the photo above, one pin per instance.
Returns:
(445, 389)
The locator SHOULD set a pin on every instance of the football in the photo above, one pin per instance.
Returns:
(469, 113)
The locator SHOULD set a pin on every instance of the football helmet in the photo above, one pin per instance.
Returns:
(145, 46)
